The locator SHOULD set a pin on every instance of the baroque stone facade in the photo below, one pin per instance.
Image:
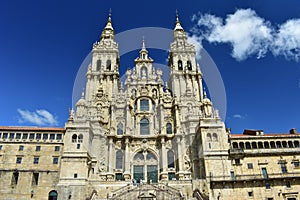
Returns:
(148, 140)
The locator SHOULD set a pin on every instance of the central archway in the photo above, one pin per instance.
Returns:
(145, 167)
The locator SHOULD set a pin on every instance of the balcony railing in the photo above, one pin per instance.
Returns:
(248, 177)
(236, 151)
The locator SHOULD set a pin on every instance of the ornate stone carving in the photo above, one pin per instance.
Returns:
(101, 166)
(144, 90)
(102, 105)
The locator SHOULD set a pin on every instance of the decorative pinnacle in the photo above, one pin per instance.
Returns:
(82, 93)
(143, 50)
(204, 93)
(109, 14)
(143, 44)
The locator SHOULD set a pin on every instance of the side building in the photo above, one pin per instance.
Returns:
(30, 162)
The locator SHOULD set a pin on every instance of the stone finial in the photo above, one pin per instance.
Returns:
(71, 114)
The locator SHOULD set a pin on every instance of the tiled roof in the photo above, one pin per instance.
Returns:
(30, 128)
(266, 134)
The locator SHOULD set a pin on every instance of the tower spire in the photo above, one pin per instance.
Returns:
(108, 31)
(143, 51)
(178, 26)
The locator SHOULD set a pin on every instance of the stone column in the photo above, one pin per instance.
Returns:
(87, 90)
(110, 160)
(93, 86)
(164, 160)
(127, 161)
(180, 159)
(177, 118)
(162, 120)
(145, 167)
(128, 122)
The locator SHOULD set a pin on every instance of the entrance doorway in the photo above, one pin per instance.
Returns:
(152, 173)
(52, 195)
(138, 172)
(145, 167)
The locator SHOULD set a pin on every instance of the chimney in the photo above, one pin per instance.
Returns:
(293, 131)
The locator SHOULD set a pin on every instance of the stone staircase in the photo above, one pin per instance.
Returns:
(147, 191)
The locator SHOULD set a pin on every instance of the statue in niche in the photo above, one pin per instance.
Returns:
(207, 105)
(187, 162)
(190, 109)
(154, 95)
(169, 144)
(144, 72)
(207, 109)
(101, 166)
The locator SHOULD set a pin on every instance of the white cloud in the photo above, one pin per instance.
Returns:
(249, 34)
(39, 117)
(238, 116)
(287, 40)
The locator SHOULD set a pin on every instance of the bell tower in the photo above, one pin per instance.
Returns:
(103, 72)
(185, 74)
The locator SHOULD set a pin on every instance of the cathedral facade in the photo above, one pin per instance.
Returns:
(146, 140)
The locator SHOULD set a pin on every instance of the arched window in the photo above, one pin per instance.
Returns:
(144, 105)
(180, 65)
(169, 128)
(119, 159)
(254, 146)
(278, 144)
(296, 144)
(215, 137)
(150, 156)
(52, 195)
(235, 145)
(248, 146)
(284, 144)
(171, 159)
(208, 137)
(74, 138)
(108, 65)
(98, 65)
(144, 72)
(80, 138)
(266, 145)
(139, 156)
(189, 65)
(242, 145)
(144, 127)
(272, 143)
(120, 129)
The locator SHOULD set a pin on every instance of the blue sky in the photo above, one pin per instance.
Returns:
(43, 43)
